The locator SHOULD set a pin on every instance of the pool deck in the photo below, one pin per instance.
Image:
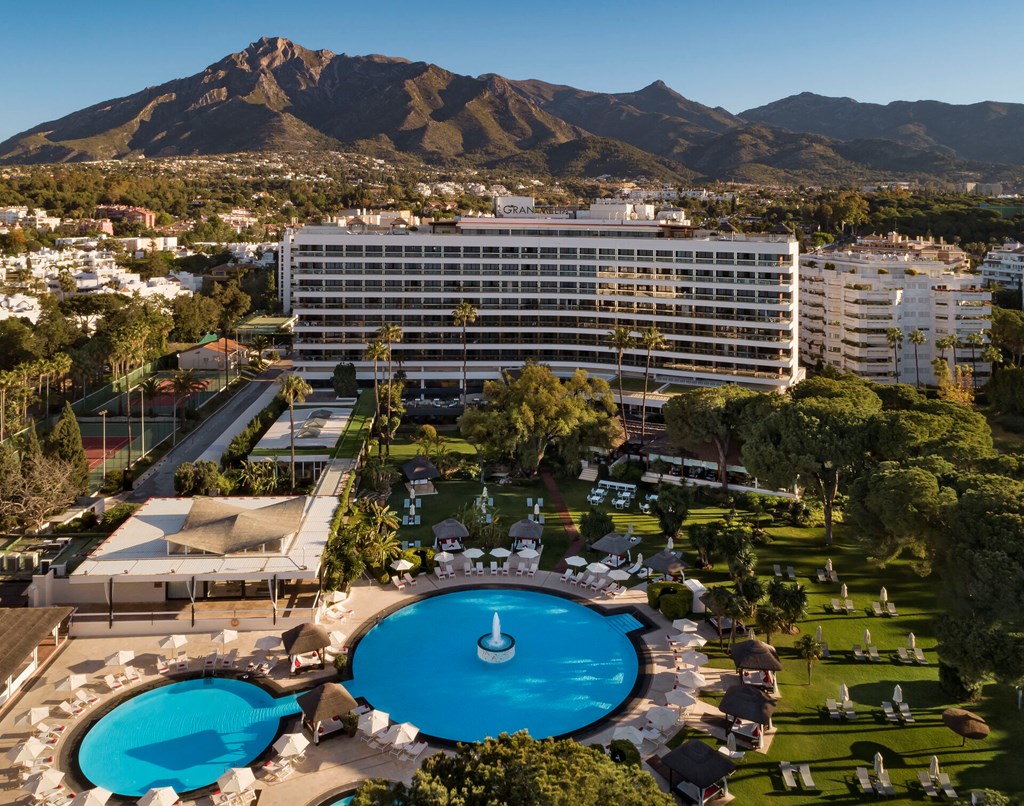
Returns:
(341, 760)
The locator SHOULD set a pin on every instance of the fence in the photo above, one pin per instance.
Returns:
(98, 397)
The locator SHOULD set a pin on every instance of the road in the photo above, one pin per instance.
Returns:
(192, 447)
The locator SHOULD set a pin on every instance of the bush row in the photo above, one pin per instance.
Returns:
(241, 446)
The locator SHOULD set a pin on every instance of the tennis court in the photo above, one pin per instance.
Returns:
(112, 448)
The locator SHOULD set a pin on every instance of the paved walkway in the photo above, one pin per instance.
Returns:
(575, 539)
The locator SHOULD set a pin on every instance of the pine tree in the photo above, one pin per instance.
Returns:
(65, 443)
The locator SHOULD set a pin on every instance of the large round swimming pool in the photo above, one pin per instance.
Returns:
(183, 735)
(572, 665)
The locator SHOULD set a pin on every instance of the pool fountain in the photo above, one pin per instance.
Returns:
(496, 646)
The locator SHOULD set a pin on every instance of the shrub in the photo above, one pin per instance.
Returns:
(957, 687)
(624, 752)
(426, 556)
(117, 515)
(656, 589)
(340, 661)
(676, 606)
(629, 471)
(413, 556)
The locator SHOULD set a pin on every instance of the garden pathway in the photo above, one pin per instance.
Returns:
(575, 540)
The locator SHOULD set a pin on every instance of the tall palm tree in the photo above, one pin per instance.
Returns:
(917, 338)
(380, 517)
(621, 339)
(993, 356)
(183, 385)
(974, 341)
(293, 388)
(260, 344)
(894, 336)
(770, 619)
(376, 351)
(464, 314)
(389, 334)
(811, 650)
(650, 339)
(151, 389)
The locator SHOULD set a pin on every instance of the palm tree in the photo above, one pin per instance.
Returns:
(974, 341)
(260, 344)
(917, 338)
(376, 351)
(717, 601)
(259, 477)
(183, 385)
(650, 339)
(621, 339)
(463, 315)
(895, 338)
(770, 619)
(151, 389)
(390, 335)
(992, 356)
(379, 517)
(293, 387)
(811, 650)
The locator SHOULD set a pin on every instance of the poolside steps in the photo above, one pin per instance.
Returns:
(623, 623)
(589, 473)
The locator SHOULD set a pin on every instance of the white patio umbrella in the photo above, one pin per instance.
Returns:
(536, 509)
(688, 678)
(662, 717)
(828, 564)
(933, 767)
(692, 658)
(373, 722)
(291, 744)
(844, 692)
(688, 640)
(92, 797)
(629, 733)
(401, 565)
(43, 782)
(883, 595)
(484, 492)
(501, 553)
(444, 557)
(680, 697)
(529, 554)
(236, 780)
(867, 637)
(897, 693)
(405, 733)
(120, 658)
(597, 568)
(818, 633)
(412, 493)
(879, 764)
(224, 637)
(670, 544)
(173, 642)
(33, 716)
(843, 592)
(911, 640)
(28, 750)
(159, 796)
(576, 561)
(684, 625)
(267, 642)
(618, 574)
(473, 553)
(72, 682)
(730, 742)
(412, 509)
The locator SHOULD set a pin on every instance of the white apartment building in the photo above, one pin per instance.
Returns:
(549, 289)
(849, 301)
(1005, 266)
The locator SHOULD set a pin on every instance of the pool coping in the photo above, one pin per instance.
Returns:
(68, 754)
(645, 662)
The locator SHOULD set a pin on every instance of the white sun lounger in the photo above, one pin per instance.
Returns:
(864, 781)
(926, 784)
(788, 779)
(567, 576)
(946, 785)
(398, 583)
(409, 579)
(805, 777)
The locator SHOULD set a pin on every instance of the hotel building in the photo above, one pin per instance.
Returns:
(548, 288)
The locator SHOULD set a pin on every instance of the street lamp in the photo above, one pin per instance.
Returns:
(103, 414)
(142, 410)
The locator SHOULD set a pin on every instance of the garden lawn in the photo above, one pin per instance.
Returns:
(833, 748)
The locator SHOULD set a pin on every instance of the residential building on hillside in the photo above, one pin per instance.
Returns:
(546, 288)
(849, 302)
(216, 355)
(895, 245)
(1005, 265)
(121, 212)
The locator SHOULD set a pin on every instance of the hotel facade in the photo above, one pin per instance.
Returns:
(548, 288)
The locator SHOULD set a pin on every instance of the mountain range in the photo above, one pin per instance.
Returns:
(278, 96)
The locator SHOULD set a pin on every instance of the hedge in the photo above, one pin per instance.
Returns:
(675, 606)
(655, 590)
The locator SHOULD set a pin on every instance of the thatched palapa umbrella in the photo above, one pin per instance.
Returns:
(449, 529)
(755, 655)
(305, 638)
(325, 702)
(965, 723)
(694, 767)
(748, 702)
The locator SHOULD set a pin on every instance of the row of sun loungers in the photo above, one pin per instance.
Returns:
(911, 655)
(789, 772)
(843, 606)
(900, 713)
(871, 784)
(827, 576)
(887, 609)
(838, 710)
(790, 573)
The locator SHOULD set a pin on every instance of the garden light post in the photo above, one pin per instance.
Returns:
(103, 414)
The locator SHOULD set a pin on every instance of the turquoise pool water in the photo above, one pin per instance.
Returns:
(183, 735)
(573, 665)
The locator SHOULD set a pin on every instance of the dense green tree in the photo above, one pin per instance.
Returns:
(343, 379)
(194, 317)
(671, 508)
(715, 415)
(894, 337)
(519, 771)
(528, 413)
(769, 619)
(65, 443)
(594, 525)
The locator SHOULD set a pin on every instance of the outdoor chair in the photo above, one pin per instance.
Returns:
(876, 608)
(837, 607)
(926, 784)
(833, 577)
(805, 777)
(529, 502)
(919, 656)
(441, 575)
(228, 661)
(599, 583)
(479, 568)
(568, 575)
(533, 570)
(540, 502)
(864, 781)
(833, 709)
(824, 649)
(848, 711)
(409, 579)
(905, 712)
(181, 664)
(890, 609)
(883, 786)
(858, 654)
(494, 568)
(904, 655)
(849, 606)
(405, 520)
(411, 752)
(889, 713)
(504, 569)
(788, 779)
(131, 676)
(790, 573)
(162, 665)
(113, 683)
(398, 583)
(821, 575)
(778, 570)
(86, 697)
(946, 786)
(873, 654)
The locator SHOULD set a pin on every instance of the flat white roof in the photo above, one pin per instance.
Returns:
(319, 427)
(137, 550)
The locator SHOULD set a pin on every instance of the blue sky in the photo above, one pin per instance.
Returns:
(60, 56)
